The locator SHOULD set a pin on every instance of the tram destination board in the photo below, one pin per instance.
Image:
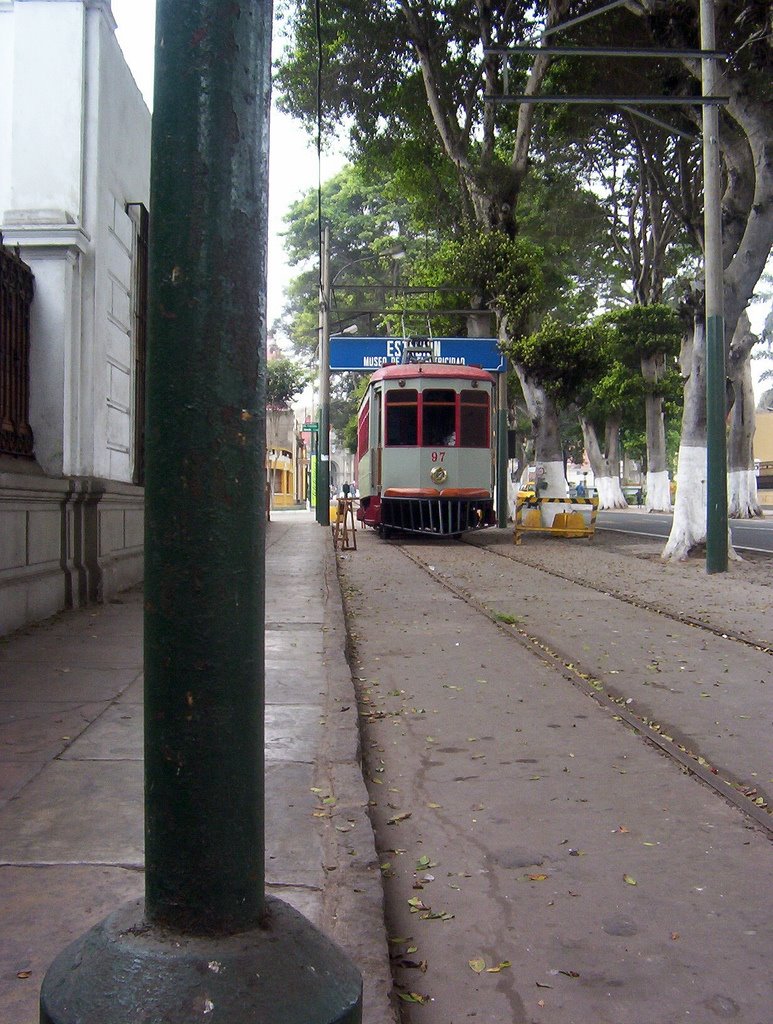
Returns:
(368, 354)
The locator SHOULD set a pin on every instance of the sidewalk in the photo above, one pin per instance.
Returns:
(71, 810)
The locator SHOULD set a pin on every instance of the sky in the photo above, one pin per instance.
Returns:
(292, 157)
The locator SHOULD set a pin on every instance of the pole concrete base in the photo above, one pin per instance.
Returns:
(126, 971)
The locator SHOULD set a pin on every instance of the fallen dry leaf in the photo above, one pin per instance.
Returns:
(477, 964)
(403, 816)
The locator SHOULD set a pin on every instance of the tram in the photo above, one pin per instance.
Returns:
(424, 450)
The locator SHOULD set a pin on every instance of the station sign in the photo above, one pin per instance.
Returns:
(368, 354)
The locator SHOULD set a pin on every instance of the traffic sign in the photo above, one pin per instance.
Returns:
(368, 354)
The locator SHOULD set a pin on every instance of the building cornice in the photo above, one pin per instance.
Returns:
(45, 236)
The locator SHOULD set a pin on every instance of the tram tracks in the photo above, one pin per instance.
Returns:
(720, 780)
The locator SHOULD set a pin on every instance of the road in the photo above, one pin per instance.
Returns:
(747, 534)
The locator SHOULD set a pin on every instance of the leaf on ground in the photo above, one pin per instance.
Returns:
(416, 903)
(414, 965)
(413, 997)
(403, 816)
(477, 964)
(499, 967)
(424, 862)
(629, 880)
(570, 974)
(622, 828)
(435, 807)
(538, 878)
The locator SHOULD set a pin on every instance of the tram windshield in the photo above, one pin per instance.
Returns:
(474, 419)
(402, 417)
(447, 418)
(438, 418)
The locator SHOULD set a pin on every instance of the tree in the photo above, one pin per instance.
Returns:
(747, 221)
(648, 338)
(285, 380)
(425, 79)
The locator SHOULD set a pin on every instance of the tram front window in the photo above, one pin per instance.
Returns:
(438, 418)
(474, 419)
(402, 418)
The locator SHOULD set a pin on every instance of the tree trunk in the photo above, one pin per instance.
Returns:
(606, 464)
(548, 456)
(658, 488)
(742, 479)
(688, 528)
(689, 524)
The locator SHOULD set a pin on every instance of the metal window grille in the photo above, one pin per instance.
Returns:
(16, 291)
(141, 219)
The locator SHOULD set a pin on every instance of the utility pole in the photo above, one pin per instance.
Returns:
(501, 475)
(716, 438)
(323, 450)
(206, 939)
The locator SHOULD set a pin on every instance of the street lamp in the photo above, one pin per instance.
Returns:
(325, 293)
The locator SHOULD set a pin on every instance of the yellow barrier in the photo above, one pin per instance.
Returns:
(565, 524)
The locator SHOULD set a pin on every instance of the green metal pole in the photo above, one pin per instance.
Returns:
(502, 509)
(205, 514)
(323, 447)
(716, 438)
(206, 939)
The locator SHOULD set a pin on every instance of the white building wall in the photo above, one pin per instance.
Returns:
(74, 151)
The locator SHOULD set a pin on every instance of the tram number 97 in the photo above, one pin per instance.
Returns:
(438, 456)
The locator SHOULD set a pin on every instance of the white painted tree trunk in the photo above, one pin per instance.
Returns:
(658, 492)
(610, 492)
(689, 526)
(548, 456)
(742, 500)
(605, 465)
(742, 494)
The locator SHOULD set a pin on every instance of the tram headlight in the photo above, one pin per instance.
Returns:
(439, 475)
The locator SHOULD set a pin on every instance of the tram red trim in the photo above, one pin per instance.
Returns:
(465, 492)
(411, 492)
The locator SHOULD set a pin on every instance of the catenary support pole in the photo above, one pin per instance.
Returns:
(502, 509)
(323, 456)
(206, 940)
(716, 438)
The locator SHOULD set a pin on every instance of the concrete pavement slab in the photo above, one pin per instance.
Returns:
(41, 730)
(115, 736)
(73, 820)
